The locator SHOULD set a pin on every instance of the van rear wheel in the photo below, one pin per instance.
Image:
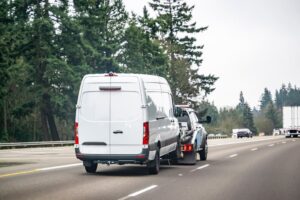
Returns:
(154, 165)
(90, 167)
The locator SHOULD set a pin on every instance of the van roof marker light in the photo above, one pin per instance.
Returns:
(111, 74)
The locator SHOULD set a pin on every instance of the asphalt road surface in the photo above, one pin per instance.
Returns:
(237, 169)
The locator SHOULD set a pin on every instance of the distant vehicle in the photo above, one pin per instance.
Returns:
(125, 118)
(291, 121)
(240, 133)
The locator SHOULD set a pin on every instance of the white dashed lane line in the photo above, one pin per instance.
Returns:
(270, 145)
(283, 142)
(254, 149)
(201, 167)
(233, 155)
(139, 192)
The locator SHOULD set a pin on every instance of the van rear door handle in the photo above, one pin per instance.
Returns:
(118, 132)
(162, 117)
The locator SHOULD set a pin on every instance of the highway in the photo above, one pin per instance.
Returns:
(259, 168)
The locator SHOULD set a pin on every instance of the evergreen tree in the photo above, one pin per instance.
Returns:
(102, 28)
(140, 53)
(246, 114)
(6, 25)
(265, 99)
(176, 29)
(271, 114)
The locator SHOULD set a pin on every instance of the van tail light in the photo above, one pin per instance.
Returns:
(187, 147)
(76, 133)
(146, 133)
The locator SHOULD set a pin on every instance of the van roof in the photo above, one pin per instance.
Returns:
(145, 77)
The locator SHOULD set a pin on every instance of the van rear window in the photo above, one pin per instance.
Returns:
(95, 106)
(126, 106)
(114, 106)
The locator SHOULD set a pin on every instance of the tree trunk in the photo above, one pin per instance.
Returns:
(44, 122)
(50, 118)
(5, 116)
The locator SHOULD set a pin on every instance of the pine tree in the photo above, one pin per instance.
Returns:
(246, 114)
(140, 53)
(265, 99)
(6, 24)
(102, 28)
(176, 30)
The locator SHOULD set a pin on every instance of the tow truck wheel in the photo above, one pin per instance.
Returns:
(154, 165)
(90, 167)
(203, 152)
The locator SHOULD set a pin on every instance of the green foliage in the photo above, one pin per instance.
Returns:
(246, 114)
(47, 46)
(174, 27)
(265, 99)
(141, 54)
(102, 32)
(287, 96)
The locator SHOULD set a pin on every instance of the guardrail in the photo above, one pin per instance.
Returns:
(35, 144)
(15, 145)
(217, 137)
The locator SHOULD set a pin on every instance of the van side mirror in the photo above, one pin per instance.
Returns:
(177, 111)
(207, 121)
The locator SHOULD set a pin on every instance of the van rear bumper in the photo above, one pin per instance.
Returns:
(114, 158)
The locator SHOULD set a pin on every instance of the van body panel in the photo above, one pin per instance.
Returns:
(111, 110)
(92, 120)
(126, 116)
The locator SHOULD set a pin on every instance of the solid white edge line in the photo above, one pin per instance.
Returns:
(59, 167)
(233, 155)
(242, 142)
(139, 192)
(201, 167)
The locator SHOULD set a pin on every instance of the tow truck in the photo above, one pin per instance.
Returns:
(193, 136)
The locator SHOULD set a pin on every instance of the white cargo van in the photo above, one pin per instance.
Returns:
(125, 118)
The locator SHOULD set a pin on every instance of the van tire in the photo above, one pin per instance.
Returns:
(203, 153)
(91, 167)
(176, 154)
(154, 165)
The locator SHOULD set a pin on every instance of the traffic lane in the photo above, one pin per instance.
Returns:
(272, 173)
(111, 182)
(108, 183)
(228, 141)
(16, 160)
(40, 158)
(216, 153)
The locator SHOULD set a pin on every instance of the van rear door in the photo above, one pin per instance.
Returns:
(126, 116)
(93, 117)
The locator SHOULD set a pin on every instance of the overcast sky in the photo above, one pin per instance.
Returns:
(250, 45)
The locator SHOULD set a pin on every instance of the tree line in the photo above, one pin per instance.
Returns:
(47, 46)
(259, 120)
